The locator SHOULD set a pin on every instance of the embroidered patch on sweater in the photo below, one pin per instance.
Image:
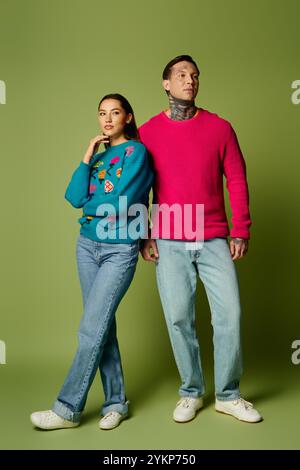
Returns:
(108, 186)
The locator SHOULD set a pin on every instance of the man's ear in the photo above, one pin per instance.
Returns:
(166, 85)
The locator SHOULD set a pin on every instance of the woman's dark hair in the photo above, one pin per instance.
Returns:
(167, 70)
(130, 131)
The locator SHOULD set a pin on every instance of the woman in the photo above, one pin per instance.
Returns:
(107, 254)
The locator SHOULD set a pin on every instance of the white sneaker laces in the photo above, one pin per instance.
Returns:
(246, 404)
(185, 402)
(109, 415)
(50, 416)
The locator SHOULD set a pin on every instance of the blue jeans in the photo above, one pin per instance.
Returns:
(177, 270)
(105, 272)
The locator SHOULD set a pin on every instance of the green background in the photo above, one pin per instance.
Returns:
(58, 58)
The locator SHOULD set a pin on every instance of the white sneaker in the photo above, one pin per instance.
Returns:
(186, 409)
(240, 409)
(111, 420)
(50, 420)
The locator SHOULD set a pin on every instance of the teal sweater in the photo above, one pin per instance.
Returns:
(121, 170)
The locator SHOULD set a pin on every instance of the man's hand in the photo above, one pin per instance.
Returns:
(238, 248)
(146, 246)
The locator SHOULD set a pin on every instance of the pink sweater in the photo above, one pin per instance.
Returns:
(190, 158)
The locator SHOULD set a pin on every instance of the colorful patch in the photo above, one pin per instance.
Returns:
(97, 164)
(101, 175)
(86, 219)
(114, 160)
(92, 188)
(118, 172)
(108, 186)
(129, 150)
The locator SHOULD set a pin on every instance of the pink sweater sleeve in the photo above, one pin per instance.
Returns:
(234, 168)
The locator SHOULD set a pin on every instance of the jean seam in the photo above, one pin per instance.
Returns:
(229, 398)
(63, 406)
(121, 408)
(191, 394)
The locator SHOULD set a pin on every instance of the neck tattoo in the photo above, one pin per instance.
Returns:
(181, 109)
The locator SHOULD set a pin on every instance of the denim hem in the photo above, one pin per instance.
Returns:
(121, 408)
(64, 412)
(191, 394)
(231, 398)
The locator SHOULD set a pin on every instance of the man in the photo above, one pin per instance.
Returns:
(192, 149)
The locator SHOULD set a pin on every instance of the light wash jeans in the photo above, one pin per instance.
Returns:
(105, 272)
(177, 270)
